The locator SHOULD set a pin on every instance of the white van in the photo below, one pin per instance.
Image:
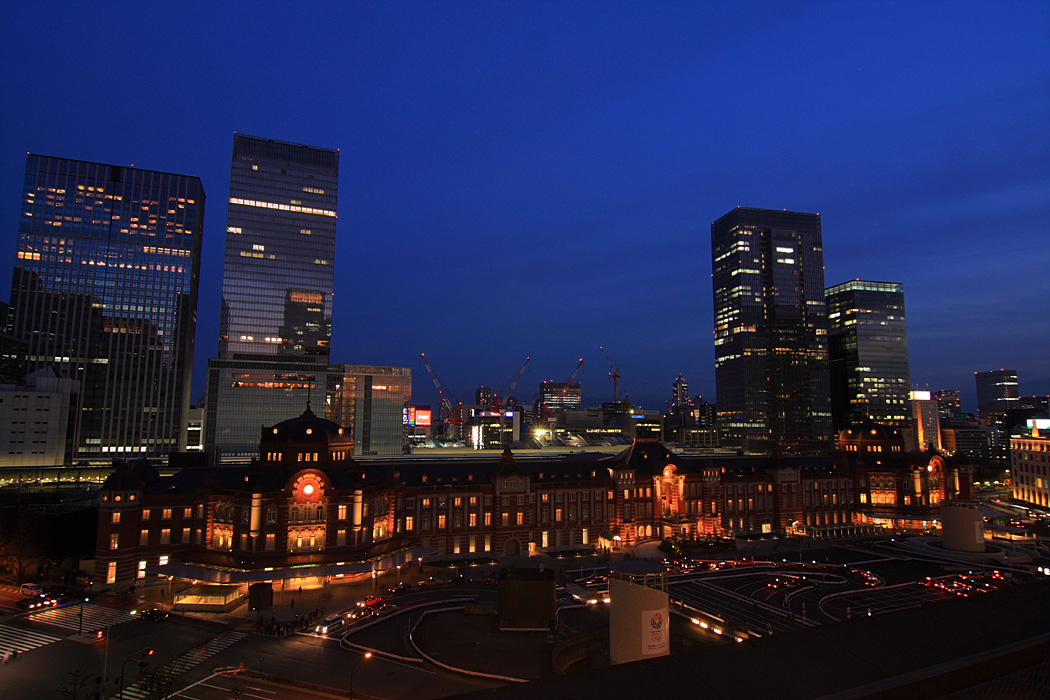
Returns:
(30, 589)
(329, 624)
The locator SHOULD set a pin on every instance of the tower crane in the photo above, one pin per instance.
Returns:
(451, 404)
(505, 392)
(615, 374)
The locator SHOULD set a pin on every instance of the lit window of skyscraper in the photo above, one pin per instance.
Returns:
(868, 343)
(771, 352)
(105, 291)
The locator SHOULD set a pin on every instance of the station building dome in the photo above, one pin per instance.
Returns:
(305, 441)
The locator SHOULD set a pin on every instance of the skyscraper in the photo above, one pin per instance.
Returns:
(997, 391)
(771, 351)
(280, 251)
(948, 402)
(868, 346)
(275, 318)
(680, 392)
(104, 291)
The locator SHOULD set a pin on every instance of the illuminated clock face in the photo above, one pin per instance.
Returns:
(308, 487)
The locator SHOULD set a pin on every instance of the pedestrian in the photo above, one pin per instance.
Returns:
(300, 590)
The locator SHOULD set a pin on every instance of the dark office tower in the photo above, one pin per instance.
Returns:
(280, 250)
(680, 392)
(997, 391)
(948, 402)
(105, 292)
(560, 396)
(771, 352)
(275, 317)
(483, 396)
(868, 350)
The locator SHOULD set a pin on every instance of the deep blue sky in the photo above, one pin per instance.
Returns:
(540, 178)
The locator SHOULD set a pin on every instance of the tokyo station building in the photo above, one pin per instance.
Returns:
(304, 509)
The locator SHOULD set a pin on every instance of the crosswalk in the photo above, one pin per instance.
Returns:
(96, 617)
(17, 639)
(162, 678)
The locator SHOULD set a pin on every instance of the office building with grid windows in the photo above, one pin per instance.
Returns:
(868, 348)
(771, 345)
(104, 292)
(275, 319)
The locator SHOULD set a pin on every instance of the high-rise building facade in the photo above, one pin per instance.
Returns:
(868, 350)
(280, 250)
(997, 390)
(560, 396)
(948, 402)
(771, 346)
(925, 428)
(104, 291)
(680, 392)
(275, 319)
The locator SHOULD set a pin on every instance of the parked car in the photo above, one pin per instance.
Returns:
(154, 615)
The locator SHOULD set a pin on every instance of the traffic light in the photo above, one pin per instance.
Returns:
(98, 634)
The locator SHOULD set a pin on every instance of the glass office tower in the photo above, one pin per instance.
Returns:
(771, 351)
(280, 250)
(105, 292)
(868, 342)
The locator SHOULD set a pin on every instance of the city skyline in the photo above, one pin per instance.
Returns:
(528, 180)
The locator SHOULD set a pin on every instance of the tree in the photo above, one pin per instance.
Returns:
(74, 682)
(18, 546)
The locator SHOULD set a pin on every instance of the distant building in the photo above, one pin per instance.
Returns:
(997, 398)
(771, 345)
(926, 422)
(483, 396)
(997, 390)
(1030, 463)
(104, 291)
(948, 402)
(680, 392)
(560, 396)
(1036, 404)
(35, 415)
(868, 341)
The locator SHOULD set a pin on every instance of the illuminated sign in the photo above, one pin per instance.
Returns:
(302, 296)
(423, 416)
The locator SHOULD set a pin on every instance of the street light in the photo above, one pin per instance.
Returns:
(366, 655)
(145, 652)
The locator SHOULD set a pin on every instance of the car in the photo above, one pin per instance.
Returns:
(31, 603)
(400, 588)
(371, 601)
(387, 609)
(154, 615)
(460, 580)
(360, 614)
(329, 624)
(430, 581)
(30, 589)
(491, 581)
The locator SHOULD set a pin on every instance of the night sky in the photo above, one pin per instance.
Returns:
(539, 179)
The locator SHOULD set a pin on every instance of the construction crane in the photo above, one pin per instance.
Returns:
(505, 392)
(451, 404)
(615, 374)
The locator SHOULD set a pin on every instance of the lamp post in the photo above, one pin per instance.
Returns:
(366, 655)
(146, 652)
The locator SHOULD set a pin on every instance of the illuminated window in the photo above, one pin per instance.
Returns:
(488, 519)
(165, 536)
(341, 512)
(166, 514)
(142, 569)
(143, 537)
(505, 519)
(187, 512)
(340, 538)
(111, 572)
(473, 519)
(409, 522)
(145, 513)
(457, 501)
(116, 518)
(271, 541)
(163, 559)
(557, 515)
(185, 535)
(114, 541)
(521, 518)
(441, 521)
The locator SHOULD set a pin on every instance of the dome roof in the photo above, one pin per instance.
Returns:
(306, 430)
(871, 432)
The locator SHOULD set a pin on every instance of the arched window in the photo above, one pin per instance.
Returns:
(320, 512)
